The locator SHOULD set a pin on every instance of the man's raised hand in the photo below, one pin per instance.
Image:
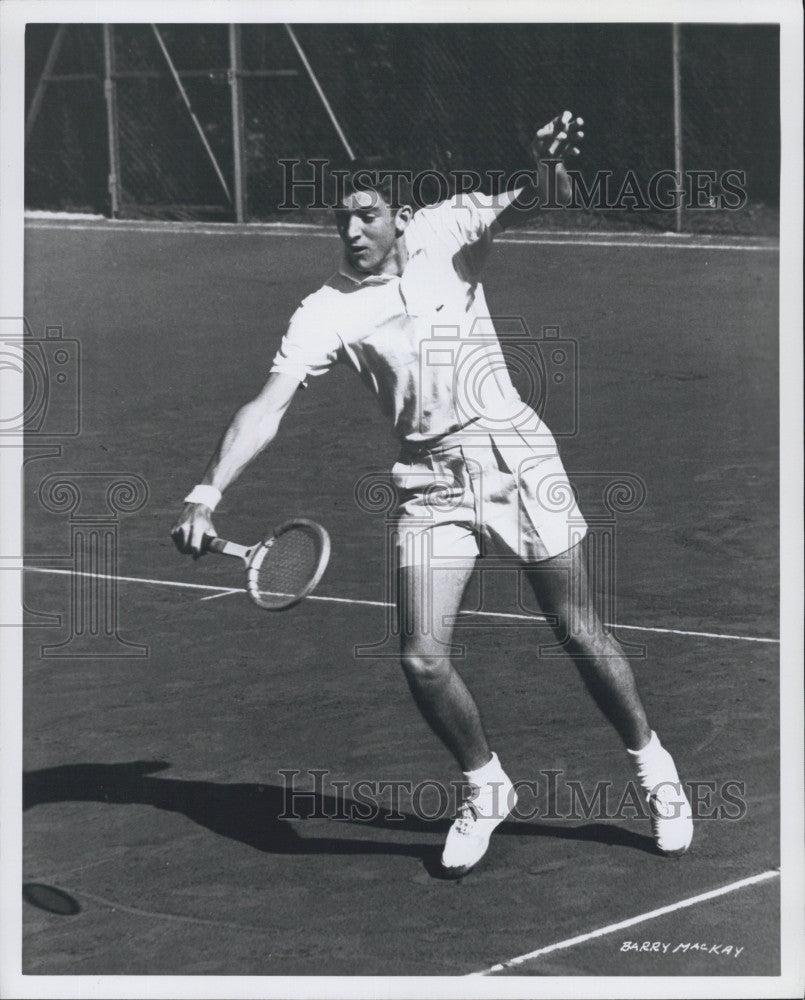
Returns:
(559, 138)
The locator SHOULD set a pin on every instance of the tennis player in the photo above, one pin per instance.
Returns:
(478, 471)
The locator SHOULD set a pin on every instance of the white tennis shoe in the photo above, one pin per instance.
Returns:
(669, 808)
(671, 817)
(478, 816)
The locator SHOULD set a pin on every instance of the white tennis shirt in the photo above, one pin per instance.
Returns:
(423, 342)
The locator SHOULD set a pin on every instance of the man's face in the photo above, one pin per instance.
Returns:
(369, 229)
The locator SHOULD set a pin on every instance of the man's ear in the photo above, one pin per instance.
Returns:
(402, 217)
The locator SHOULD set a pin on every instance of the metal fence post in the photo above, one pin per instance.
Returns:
(238, 145)
(110, 95)
(677, 121)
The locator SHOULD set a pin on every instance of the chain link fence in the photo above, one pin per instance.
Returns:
(191, 121)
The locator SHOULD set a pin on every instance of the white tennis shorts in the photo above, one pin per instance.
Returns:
(478, 493)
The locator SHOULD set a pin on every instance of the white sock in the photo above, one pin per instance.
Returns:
(647, 752)
(491, 771)
(654, 764)
(489, 782)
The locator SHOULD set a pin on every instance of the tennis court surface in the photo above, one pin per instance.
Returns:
(154, 792)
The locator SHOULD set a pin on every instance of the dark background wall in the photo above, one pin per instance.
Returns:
(444, 96)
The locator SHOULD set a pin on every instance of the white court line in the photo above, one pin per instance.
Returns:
(99, 223)
(51, 220)
(584, 239)
(635, 628)
(130, 579)
(644, 244)
(227, 591)
(639, 919)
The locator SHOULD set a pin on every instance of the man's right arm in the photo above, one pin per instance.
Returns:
(557, 140)
(252, 429)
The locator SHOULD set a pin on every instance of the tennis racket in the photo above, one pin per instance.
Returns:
(285, 566)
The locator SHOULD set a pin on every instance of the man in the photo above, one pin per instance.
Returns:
(474, 473)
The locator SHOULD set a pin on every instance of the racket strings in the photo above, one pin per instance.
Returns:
(285, 568)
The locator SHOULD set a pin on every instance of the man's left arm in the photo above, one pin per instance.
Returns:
(553, 143)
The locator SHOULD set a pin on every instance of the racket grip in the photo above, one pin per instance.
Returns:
(225, 548)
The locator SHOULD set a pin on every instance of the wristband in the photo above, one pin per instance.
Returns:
(210, 496)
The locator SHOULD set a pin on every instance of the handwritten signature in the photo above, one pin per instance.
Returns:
(666, 947)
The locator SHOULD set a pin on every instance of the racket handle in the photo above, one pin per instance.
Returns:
(225, 548)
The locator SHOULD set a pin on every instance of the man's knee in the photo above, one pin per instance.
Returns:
(424, 667)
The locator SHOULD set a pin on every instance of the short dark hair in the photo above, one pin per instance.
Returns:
(387, 178)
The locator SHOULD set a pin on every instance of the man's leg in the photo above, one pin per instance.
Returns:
(564, 591)
(427, 598)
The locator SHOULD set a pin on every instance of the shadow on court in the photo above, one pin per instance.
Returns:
(261, 816)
